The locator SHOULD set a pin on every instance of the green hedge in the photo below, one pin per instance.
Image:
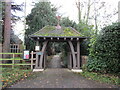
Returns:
(105, 50)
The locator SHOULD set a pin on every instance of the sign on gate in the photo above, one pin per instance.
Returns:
(26, 54)
(39, 53)
(37, 48)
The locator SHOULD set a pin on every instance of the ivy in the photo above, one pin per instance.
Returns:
(105, 50)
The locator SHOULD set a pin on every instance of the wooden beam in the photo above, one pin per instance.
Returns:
(58, 38)
(37, 43)
(32, 60)
(78, 54)
(44, 38)
(36, 63)
(64, 38)
(70, 61)
(73, 54)
(77, 39)
(45, 58)
(71, 38)
(43, 50)
(51, 38)
(38, 38)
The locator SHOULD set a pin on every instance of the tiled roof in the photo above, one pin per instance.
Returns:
(57, 31)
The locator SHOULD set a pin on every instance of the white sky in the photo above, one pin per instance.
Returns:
(68, 9)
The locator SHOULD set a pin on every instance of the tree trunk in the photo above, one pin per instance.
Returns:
(7, 26)
(79, 11)
(119, 11)
(88, 12)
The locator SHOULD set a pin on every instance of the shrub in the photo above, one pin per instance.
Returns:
(105, 50)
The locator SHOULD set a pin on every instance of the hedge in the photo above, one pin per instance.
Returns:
(105, 50)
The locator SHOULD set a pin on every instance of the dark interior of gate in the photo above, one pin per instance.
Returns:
(58, 34)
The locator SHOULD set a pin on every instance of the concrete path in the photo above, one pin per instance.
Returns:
(59, 78)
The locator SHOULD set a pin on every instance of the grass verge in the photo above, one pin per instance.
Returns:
(103, 78)
(11, 76)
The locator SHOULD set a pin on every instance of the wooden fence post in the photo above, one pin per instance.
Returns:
(32, 60)
(13, 61)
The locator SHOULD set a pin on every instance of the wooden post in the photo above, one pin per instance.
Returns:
(44, 59)
(13, 61)
(32, 60)
(78, 54)
(43, 50)
(37, 43)
(73, 54)
(36, 64)
(70, 61)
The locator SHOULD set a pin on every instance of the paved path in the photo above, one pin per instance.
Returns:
(59, 78)
(55, 62)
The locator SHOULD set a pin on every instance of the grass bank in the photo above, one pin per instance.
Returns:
(11, 76)
(103, 78)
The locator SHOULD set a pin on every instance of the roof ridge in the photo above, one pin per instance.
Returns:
(40, 29)
(75, 30)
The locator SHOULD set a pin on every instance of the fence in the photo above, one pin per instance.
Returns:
(13, 59)
(31, 60)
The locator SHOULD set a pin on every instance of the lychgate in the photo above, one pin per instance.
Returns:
(57, 34)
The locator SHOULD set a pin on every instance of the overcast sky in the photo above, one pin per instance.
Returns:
(67, 9)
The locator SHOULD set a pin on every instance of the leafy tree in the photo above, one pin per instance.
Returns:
(1, 9)
(65, 21)
(41, 15)
(87, 31)
(105, 50)
(8, 18)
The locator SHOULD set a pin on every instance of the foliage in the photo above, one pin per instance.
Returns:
(1, 16)
(64, 49)
(14, 18)
(104, 78)
(104, 50)
(41, 15)
(87, 31)
(66, 22)
(15, 8)
(10, 76)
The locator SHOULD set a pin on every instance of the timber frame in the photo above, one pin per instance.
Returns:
(74, 54)
(58, 34)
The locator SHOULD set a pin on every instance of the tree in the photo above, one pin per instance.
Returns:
(41, 15)
(1, 21)
(7, 26)
(8, 18)
(66, 22)
(96, 12)
(78, 4)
